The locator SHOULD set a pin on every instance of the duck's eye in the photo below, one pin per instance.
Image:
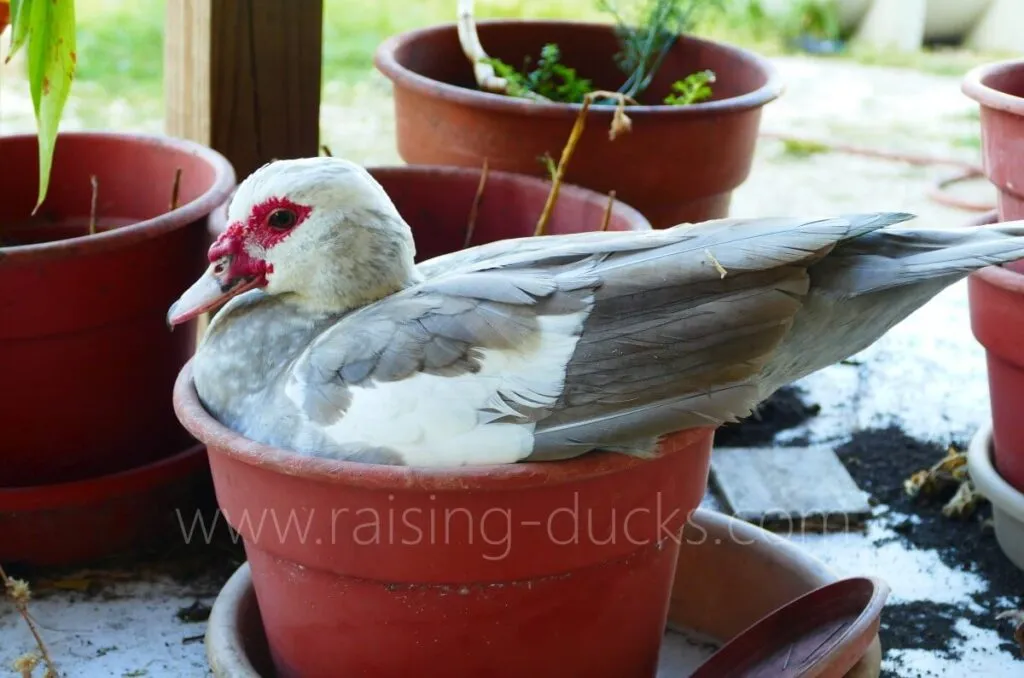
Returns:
(282, 219)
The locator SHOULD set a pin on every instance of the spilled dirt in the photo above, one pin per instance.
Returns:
(879, 461)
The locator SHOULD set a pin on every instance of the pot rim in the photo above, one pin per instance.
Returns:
(219, 439)
(1001, 277)
(132, 481)
(974, 86)
(637, 221)
(386, 63)
(204, 206)
(985, 475)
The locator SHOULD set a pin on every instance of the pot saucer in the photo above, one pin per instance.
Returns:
(85, 520)
(236, 646)
(1007, 501)
(822, 633)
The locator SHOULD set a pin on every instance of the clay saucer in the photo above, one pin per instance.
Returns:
(823, 634)
(72, 523)
(730, 576)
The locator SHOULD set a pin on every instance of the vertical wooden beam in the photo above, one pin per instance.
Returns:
(243, 77)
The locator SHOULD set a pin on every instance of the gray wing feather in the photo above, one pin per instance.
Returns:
(872, 282)
(668, 342)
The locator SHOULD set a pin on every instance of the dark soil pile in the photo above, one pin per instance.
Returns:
(784, 409)
(879, 461)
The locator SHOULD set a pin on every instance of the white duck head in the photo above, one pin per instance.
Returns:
(320, 231)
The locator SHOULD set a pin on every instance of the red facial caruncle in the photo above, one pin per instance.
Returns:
(268, 224)
(236, 266)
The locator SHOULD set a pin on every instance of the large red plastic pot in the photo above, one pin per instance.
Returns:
(996, 297)
(534, 569)
(678, 164)
(86, 359)
(996, 293)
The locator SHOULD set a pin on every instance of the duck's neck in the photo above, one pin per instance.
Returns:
(246, 348)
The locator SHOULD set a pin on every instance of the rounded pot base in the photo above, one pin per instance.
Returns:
(1007, 501)
(720, 550)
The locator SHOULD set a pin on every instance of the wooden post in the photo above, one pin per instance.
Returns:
(243, 77)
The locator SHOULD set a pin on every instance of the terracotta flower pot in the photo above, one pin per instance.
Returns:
(755, 571)
(996, 293)
(996, 298)
(999, 89)
(86, 357)
(678, 164)
(504, 570)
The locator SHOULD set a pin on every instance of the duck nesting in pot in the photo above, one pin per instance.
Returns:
(333, 342)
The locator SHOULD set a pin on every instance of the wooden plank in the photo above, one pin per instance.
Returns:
(789, 488)
(243, 77)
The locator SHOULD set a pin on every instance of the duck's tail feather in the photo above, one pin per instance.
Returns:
(895, 257)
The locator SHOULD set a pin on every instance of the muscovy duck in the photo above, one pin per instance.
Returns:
(334, 343)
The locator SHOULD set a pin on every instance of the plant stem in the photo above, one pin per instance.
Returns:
(475, 207)
(469, 39)
(176, 189)
(92, 206)
(567, 151)
(608, 210)
(620, 123)
(18, 594)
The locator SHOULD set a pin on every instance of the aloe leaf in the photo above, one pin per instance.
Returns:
(20, 12)
(49, 28)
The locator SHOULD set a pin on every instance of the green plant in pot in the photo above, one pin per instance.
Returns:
(97, 231)
(665, 120)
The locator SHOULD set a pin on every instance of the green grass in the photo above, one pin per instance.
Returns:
(120, 42)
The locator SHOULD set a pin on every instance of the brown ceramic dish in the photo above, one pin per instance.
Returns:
(731, 574)
(821, 634)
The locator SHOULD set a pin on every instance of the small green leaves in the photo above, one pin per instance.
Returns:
(694, 88)
(551, 79)
(47, 27)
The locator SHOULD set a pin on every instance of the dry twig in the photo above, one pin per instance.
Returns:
(92, 205)
(19, 594)
(716, 263)
(620, 123)
(475, 207)
(556, 180)
(1017, 618)
(326, 150)
(608, 211)
(176, 189)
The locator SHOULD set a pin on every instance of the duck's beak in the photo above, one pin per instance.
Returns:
(208, 292)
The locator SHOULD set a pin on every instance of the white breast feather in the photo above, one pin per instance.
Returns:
(436, 421)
